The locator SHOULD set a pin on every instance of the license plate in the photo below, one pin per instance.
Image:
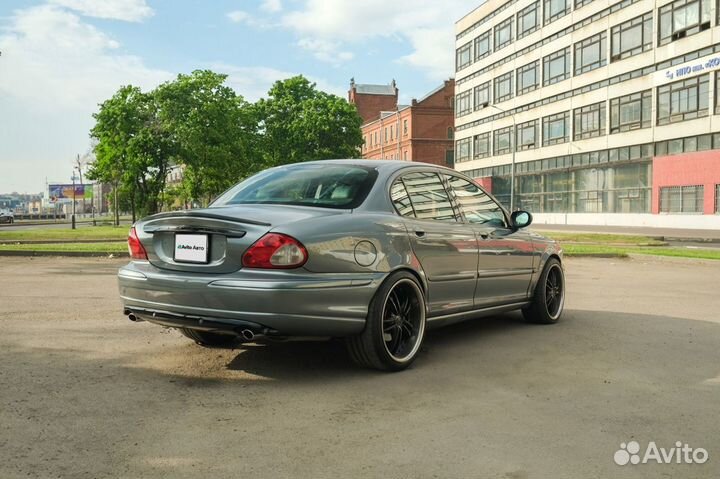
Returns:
(191, 248)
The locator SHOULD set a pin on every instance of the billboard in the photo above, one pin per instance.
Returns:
(65, 192)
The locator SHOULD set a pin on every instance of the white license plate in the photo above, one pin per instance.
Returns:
(191, 248)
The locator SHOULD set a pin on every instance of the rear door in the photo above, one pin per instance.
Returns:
(445, 247)
(505, 255)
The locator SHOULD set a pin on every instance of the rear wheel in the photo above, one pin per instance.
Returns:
(395, 326)
(211, 340)
(549, 298)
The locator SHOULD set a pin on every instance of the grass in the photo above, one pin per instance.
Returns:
(60, 234)
(602, 238)
(98, 248)
(624, 251)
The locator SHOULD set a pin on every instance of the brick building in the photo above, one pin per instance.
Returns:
(421, 131)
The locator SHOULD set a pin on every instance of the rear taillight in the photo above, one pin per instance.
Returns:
(275, 251)
(135, 246)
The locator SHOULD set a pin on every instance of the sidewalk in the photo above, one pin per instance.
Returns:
(665, 234)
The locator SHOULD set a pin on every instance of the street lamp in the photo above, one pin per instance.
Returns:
(513, 146)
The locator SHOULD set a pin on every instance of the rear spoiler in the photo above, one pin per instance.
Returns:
(198, 214)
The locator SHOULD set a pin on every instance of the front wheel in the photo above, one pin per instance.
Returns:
(395, 325)
(549, 298)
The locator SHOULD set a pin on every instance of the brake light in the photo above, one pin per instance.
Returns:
(135, 247)
(275, 251)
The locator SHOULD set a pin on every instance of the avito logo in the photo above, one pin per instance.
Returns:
(629, 453)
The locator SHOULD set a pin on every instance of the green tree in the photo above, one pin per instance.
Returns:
(215, 130)
(300, 123)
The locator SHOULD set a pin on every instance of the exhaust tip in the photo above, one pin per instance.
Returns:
(247, 334)
(132, 317)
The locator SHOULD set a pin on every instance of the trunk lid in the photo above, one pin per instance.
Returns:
(230, 230)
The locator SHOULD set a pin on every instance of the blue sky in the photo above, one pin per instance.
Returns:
(60, 58)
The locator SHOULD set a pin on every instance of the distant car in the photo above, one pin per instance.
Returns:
(369, 251)
(7, 216)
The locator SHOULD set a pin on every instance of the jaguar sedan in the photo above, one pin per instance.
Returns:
(374, 252)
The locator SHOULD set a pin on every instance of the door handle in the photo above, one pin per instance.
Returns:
(419, 233)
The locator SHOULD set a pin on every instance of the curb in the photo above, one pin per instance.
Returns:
(598, 255)
(80, 254)
(113, 240)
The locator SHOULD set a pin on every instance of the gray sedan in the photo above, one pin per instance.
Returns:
(373, 252)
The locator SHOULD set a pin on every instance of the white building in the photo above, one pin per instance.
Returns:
(610, 107)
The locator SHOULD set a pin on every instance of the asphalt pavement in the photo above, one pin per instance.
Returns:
(86, 393)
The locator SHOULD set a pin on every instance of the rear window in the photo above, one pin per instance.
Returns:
(327, 186)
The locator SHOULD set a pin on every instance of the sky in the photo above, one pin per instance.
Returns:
(60, 58)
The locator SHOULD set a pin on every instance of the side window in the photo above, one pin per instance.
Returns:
(478, 207)
(401, 200)
(428, 197)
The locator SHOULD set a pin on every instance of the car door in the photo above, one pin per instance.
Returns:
(445, 247)
(505, 260)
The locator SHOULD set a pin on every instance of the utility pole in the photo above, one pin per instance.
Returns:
(73, 208)
(79, 168)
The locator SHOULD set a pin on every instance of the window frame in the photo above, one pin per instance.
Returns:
(534, 7)
(595, 109)
(547, 120)
(457, 218)
(487, 138)
(459, 144)
(670, 10)
(702, 82)
(507, 23)
(497, 151)
(496, 82)
(644, 98)
(579, 47)
(462, 99)
(665, 202)
(521, 90)
(548, 59)
(645, 23)
(455, 198)
(520, 129)
(483, 86)
(480, 38)
(548, 17)
(460, 51)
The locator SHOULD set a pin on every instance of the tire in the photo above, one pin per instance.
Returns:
(395, 326)
(210, 340)
(549, 297)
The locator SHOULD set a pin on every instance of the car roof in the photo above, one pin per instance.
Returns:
(387, 165)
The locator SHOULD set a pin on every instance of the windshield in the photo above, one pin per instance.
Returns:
(328, 186)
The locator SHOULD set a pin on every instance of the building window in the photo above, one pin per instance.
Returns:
(682, 199)
(463, 103)
(590, 53)
(405, 130)
(405, 155)
(503, 33)
(556, 67)
(589, 121)
(502, 140)
(555, 9)
(462, 148)
(528, 77)
(631, 38)
(450, 133)
(556, 128)
(685, 145)
(581, 3)
(504, 87)
(462, 57)
(683, 18)
(482, 96)
(527, 135)
(481, 146)
(717, 92)
(631, 112)
(391, 132)
(683, 100)
(428, 197)
(528, 19)
(482, 46)
(450, 158)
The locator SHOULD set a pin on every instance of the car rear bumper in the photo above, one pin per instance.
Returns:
(266, 302)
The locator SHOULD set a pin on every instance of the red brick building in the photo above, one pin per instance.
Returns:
(421, 131)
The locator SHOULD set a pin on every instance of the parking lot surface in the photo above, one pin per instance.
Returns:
(86, 393)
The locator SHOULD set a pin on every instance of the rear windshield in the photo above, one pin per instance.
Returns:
(327, 186)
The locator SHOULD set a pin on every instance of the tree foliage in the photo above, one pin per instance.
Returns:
(198, 121)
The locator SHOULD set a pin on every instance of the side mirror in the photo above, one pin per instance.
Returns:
(520, 219)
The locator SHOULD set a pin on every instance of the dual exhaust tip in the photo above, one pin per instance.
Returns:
(246, 334)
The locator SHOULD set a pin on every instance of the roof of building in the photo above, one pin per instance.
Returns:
(368, 89)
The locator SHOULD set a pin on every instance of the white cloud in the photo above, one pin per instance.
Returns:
(271, 6)
(238, 16)
(428, 25)
(253, 83)
(54, 71)
(325, 50)
(127, 10)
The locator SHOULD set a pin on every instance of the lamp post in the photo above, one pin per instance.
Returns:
(513, 145)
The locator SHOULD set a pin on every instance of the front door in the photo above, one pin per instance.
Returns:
(505, 263)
